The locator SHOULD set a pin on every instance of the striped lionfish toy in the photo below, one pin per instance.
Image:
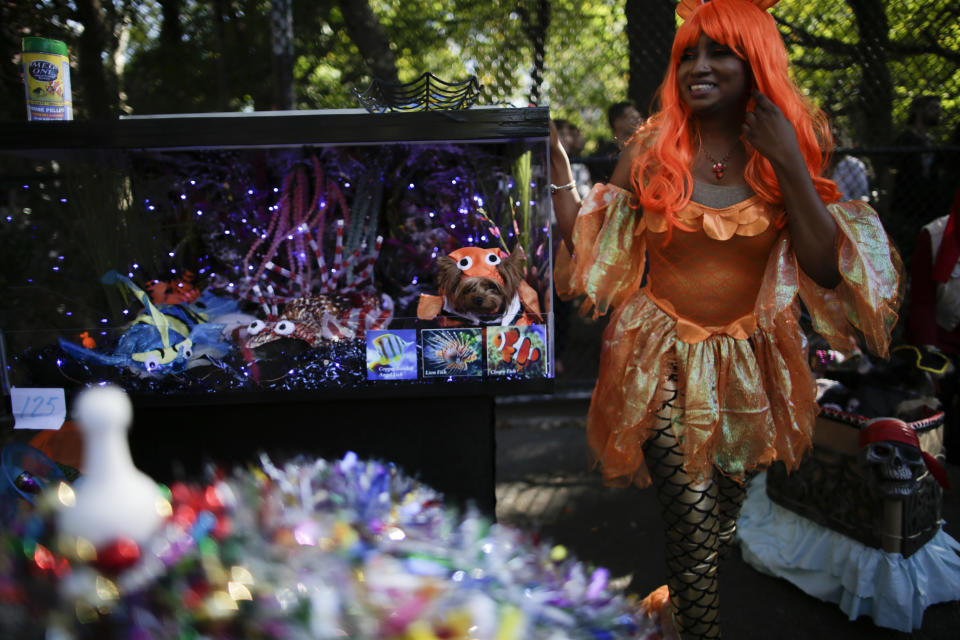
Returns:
(321, 299)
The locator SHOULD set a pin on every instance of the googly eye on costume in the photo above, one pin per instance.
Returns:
(255, 327)
(465, 263)
(152, 361)
(284, 328)
(186, 352)
(492, 258)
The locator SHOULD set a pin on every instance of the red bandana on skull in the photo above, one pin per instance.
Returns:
(894, 430)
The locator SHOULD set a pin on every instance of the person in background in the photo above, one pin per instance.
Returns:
(917, 191)
(933, 319)
(849, 172)
(624, 119)
(573, 142)
(934, 309)
(703, 378)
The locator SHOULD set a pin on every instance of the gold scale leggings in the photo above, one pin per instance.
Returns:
(699, 518)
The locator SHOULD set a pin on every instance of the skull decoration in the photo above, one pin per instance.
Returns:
(892, 460)
(892, 468)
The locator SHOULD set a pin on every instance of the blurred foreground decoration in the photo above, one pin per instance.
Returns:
(309, 549)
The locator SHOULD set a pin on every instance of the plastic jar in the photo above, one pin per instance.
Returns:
(46, 79)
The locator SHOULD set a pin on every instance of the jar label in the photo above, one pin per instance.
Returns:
(47, 85)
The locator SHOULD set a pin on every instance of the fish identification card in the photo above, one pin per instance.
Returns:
(452, 353)
(38, 408)
(517, 350)
(392, 355)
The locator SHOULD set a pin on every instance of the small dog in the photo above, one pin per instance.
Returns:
(481, 282)
(477, 280)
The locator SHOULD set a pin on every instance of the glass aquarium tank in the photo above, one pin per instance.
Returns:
(322, 253)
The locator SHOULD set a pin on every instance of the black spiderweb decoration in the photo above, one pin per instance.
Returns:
(426, 93)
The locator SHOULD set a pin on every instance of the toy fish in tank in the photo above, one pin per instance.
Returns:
(162, 339)
(329, 317)
(327, 297)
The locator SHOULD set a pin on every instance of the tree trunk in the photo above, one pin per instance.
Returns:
(876, 87)
(170, 31)
(220, 40)
(365, 30)
(281, 17)
(536, 30)
(650, 29)
(98, 81)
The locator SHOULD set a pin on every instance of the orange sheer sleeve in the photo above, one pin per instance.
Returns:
(863, 307)
(609, 245)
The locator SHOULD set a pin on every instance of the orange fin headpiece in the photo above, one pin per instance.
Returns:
(686, 8)
(476, 262)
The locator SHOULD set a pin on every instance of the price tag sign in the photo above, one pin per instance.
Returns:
(36, 408)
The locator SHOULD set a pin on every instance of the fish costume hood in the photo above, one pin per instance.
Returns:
(522, 309)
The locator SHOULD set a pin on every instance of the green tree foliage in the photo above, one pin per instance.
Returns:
(215, 58)
(587, 62)
(863, 60)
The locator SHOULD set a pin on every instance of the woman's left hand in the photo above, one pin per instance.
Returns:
(769, 131)
(812, 229)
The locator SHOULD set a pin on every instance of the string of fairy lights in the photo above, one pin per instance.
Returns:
(466, 219)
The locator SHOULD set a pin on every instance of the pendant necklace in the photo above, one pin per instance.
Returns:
(719, 166)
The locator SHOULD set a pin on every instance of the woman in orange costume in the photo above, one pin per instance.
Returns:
(703, 375)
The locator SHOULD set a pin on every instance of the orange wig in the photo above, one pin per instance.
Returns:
(662, 174)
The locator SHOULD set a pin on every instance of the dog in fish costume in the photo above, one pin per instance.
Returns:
(480, 286)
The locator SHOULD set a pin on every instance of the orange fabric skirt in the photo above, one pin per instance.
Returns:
(745, 402)
(749, 393)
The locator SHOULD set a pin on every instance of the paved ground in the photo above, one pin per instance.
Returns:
(543, 484)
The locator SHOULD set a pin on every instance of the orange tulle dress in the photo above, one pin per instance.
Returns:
(722, 300)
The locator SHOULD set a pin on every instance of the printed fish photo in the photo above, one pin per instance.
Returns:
(515, 350)
(452, 352)
(392, 355)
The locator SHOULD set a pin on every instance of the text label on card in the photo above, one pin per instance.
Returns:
(38, 408)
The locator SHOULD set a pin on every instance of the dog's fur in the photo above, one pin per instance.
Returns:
(480, 295)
